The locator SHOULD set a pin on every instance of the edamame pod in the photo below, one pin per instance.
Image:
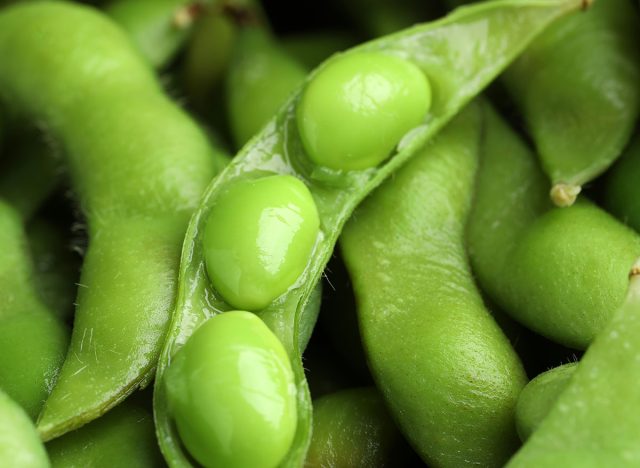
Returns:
(577, 87)
(444, 367)
(560, 272)
(621, 186)
(122, 438)
(33, 342)
(352, 428)
(539, 396)
(440, 49)
(138, 179)
(596, 420)
(260, 78)
(20, 446)
(158, 28)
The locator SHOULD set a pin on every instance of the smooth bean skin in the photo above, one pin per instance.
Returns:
(232, 393)
(621, 186)
(352, 428)
(560, 272)
(447, 372)
(596, 420)
(33, 342)
(356, 109)
(122, 438)
(539, 396)
(20, 446)
(138, 179)
(258, 239)
(260, 78)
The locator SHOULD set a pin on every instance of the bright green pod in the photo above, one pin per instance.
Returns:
(158, 28)
(596, 420)
(20, 445)
(357, 109)
(352, 428)
(539, 396)
(137, 178)
(122, 438)
(441, 49)
(232, 393)
(258, 239)
(447, 372)
(621, 186)
(260, 78)
(560, 272)
(33, 342)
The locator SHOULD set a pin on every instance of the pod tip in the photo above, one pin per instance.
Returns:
(564, 195)
(184, 16)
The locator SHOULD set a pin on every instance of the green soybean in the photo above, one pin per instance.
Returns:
(444, 367)
(621, 186)
(358, 108)
(539, 396)
(560, 272)
(231, 390)
(258, 237)
(352, 428)
(20, 446)
(122, 438)
(440, 50)
(595, 421)
(33, 342)
(260, 78)
(138, 180)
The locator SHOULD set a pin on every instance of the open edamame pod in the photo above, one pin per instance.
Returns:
(447, 372)
(560, 272)
(596, 420)
(33, 342)
(138, 179)
(122, 438)
(20, 446)
(353, 428)
(440, 50)
(539, 396)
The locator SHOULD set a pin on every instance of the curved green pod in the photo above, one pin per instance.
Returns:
(353, 428)
(577, 88)
(138, 179)
(439, 50)
(447, 372)
(560, 272)
(33, 342)
(260, 78)
(621, 186)
(596, 420)
(158, 28)
(539, 396)
(20, 446)
(122, 438)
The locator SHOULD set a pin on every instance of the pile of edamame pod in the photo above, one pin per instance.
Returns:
(348, 234)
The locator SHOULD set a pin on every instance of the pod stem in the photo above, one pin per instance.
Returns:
(564, 195)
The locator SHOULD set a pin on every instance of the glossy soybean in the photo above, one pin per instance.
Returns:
(258, 239)
(356, 109)
(447, 372)
(231, 391)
